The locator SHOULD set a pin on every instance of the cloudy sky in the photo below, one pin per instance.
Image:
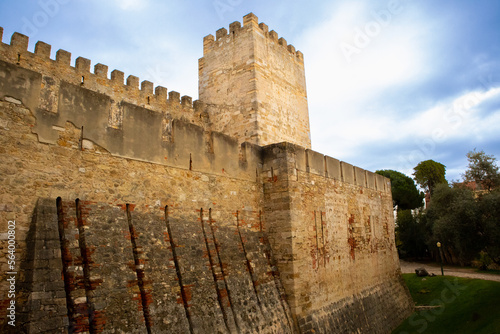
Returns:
(390, 83)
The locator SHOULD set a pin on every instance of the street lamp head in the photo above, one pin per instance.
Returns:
(438, 244)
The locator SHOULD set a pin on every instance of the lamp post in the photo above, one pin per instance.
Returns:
(440, 257)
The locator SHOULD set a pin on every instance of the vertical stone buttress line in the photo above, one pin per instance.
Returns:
(139, 271)
(214, 275)
(65, 262)
(86, 267)
(217, 247)
(260, 221)
(325, 165)
(323, 239)
(178, 271)
(248, 263)
(80, 140)
(276, 277)
(316, 228)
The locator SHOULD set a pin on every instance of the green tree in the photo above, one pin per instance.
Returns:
(456, 222)
(483, 170)
(490, 215)
(411, 232)
(405, 194)
(429, 174)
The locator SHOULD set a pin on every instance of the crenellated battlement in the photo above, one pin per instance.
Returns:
(131, 90)
(308, 162)
(250, 24)
(106, 106)
(262, 78)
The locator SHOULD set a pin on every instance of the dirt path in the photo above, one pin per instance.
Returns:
(409, 267)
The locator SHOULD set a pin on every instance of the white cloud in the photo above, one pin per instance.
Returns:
(458, 119)
(353, 102)
(341, 91)
(384, 57)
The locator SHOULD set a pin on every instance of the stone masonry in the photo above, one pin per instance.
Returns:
(254, 85)
(140, 211)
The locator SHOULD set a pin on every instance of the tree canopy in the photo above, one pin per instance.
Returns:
(429, 173)
(411, 234)
(483, 170)
(465, 222)
(489, 207)
(405, 194)
(456, 222)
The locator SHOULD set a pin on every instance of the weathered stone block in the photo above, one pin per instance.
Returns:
(347, 172)
(359, 175)
(19, 41)
(101, 70)
(333, 168)
(42, 49)
(316, 162)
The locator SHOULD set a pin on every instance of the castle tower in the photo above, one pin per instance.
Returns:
(254, 85)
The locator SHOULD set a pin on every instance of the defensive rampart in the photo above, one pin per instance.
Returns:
(132, 214)
(333, 236)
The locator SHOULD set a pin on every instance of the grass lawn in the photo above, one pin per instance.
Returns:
(463, 306)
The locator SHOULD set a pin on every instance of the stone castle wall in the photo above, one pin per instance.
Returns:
(117, 117)
(129, 196)
(333, 225)
(210, 263)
